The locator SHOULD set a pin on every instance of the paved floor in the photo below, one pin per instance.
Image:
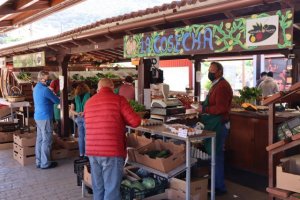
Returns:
(29, 183)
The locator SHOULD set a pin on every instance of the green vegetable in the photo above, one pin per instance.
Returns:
(136, 106)
(163, 154)
(248, 93)
(26, 76)
(137, 186)
(126, 182)
(149, 183)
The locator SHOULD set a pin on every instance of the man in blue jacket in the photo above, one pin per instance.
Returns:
(44, 99)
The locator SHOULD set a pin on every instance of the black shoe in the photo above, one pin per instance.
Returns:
(38, 166)
(52, 165)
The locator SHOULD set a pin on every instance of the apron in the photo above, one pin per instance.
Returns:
(212, 123)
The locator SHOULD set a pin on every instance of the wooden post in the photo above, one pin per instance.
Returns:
(143, 78)
(63, 60)
(296, 67)
(271, 167)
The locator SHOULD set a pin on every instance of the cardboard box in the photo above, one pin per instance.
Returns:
(67, 143)
(59, 153)
(135, 142)
(25, 140)
(23, 160)
(7, 145)
(87, 176)
(288, 175)
(162, 164)
(25, 151)
(72, 153)
(198, 186)
(171, 194)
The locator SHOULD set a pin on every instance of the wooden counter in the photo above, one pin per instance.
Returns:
(248, 138)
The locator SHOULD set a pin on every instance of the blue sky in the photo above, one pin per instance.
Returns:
(81, 14)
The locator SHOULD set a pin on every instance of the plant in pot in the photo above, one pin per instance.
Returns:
(250, 94)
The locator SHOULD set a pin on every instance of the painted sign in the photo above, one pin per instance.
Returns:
(29, 60)
(216, 37)
(262, 31)
(2, 62)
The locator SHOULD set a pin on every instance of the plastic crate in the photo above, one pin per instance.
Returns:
(78, 168)
(128, 193)
(79, 163)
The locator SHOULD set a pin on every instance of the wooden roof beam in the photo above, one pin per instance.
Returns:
(154, 28)
(113, 52)
(296, 26)
(6, 23)
(229, 14)
(91, 41)
(109, 37)
(97, 46)
(5, 10)
(21, 4)
(97, 55)
(187, 22)
(5, 16)
(108, 55)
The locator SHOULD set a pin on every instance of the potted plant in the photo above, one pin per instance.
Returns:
(250, 94)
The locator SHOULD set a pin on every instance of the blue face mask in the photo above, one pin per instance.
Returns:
(48, 82)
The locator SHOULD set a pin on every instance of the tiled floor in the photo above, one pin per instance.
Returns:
(29, 183)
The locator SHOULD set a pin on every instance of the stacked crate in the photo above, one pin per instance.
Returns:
(7, 130)
(69, 143)
(24, 148)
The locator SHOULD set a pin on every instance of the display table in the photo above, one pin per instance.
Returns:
(13, 105)
(165, 132)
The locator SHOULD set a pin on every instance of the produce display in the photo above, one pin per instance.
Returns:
(151, 122)
(183, 130)
(149, 185)
(185, 100)
(158, 154)
(136, 106)
(25, 76)
(248, 93)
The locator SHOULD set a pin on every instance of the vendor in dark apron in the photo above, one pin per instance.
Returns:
(215, 117)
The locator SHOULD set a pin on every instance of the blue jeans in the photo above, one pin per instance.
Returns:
(81, 134)
(107, 173)
(43, 142)
(220, 184)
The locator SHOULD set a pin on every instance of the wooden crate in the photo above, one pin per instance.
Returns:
(57, 154)
(25, 140)
(24, 160)
(6, 145)
(7, 136)
(25, 151)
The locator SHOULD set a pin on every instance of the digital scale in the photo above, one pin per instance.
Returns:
(166, 106)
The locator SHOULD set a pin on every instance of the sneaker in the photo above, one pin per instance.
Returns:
(52, 165)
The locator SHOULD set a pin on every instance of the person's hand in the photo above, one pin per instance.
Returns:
(58, 106)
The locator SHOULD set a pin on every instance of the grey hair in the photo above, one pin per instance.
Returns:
(41, 75)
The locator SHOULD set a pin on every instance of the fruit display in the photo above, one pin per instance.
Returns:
(249, 107)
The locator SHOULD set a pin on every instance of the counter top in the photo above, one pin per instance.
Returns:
(164, 131)
(264, 114)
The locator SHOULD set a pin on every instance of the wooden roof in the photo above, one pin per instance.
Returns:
(15, 13)
(103, 40)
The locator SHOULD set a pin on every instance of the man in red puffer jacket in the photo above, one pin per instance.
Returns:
(106, 115)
